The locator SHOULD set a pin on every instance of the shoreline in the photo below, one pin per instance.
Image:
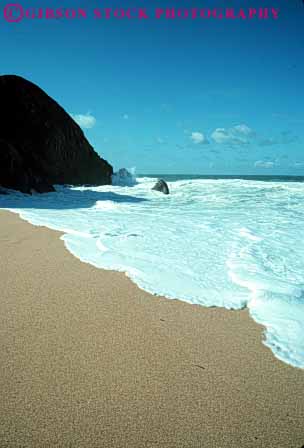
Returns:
(88, 360)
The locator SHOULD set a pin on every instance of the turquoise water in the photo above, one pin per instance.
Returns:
(214, 241)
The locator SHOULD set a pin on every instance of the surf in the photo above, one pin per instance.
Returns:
(224, 242)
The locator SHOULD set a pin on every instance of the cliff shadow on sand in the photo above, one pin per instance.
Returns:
(65, 198)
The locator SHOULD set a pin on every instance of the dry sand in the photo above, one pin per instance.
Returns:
(87, 359)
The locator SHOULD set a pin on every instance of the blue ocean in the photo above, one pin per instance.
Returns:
(223, 241)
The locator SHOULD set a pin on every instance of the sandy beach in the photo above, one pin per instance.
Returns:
(88, 359)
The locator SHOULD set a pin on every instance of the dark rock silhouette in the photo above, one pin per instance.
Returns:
(40, 144)
(161, 186)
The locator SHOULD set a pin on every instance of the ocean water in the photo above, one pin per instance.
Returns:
(214, 241)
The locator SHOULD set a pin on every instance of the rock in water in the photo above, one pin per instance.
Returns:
(161, 186)
(40, 144)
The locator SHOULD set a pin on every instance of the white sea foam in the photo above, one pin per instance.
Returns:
(124, 177)
(226, 243)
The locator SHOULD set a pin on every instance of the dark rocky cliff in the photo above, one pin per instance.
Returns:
(40, 144)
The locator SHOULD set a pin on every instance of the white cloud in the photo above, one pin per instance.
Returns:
(86, 121)
(264, 164)
(243, 129)
(220, 135)
(240, 134)
(267, 142)
(284, 138)
(160, 141)
(298, 165)
(198, 138)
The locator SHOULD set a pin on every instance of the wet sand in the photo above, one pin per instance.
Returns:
(87, 359)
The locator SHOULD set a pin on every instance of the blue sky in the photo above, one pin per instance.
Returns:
(174, 96)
